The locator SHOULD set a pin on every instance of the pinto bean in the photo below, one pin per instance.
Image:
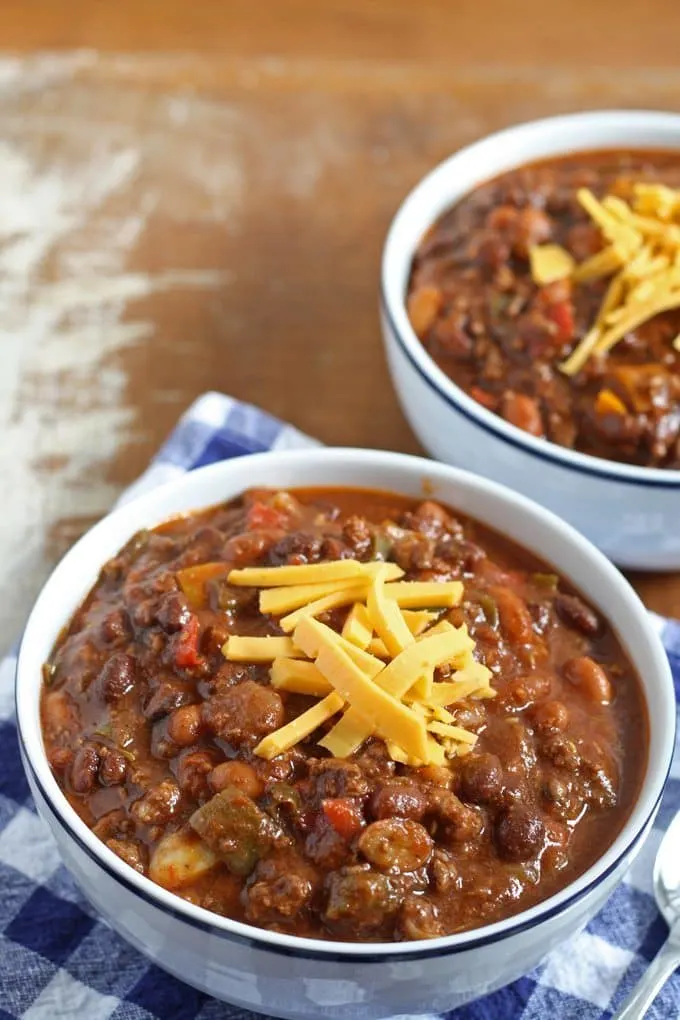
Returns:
(515, 618)
(185, 725)
(112, 768)
(590, 678)
(396, 845)
(84, 769)
(239, 774)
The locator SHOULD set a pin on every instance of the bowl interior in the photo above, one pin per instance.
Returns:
(461, 173)
(515, 516)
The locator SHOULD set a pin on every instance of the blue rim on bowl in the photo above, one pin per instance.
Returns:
(214, 483)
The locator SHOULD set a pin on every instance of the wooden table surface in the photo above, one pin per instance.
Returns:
(209, 214)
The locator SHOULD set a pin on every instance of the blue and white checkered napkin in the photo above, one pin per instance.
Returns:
(58, 960)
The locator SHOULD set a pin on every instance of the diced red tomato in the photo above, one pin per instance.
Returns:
(482, 397)
(344, 815)
(186, 645)
(562, 314)
(263, 518)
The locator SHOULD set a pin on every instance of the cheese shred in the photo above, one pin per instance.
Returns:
(376, 677)
(642, 258)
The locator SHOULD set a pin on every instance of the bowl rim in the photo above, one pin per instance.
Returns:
(149, 506)
(437, 180)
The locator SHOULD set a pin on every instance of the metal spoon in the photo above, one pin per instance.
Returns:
(667, 893)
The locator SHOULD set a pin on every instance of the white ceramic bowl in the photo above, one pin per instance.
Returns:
(629, 512)
(303, 978)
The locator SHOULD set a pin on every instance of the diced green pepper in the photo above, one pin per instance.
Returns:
(236, 829)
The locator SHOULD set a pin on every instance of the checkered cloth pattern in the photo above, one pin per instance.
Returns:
(58, 960)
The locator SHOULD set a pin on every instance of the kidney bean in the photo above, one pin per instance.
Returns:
(239, 774)
(481, 778)
(575, 613)
(173, 613)
(590, 678)
(399, 798)
(84, 769)
(515, 618)
(117, 677)
(520, 834)
(115, 626)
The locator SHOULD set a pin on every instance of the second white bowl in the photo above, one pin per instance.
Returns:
(629, 512)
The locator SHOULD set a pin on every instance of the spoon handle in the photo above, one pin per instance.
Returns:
(656, 976)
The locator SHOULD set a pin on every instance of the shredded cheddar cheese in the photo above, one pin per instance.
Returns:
(376, 677)
(642, 257)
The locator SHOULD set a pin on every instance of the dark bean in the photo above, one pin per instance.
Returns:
(117, 677)
(399, 798)
(520, 834)
(84, 769)
(115, 626)
(481, 778)
(575, 613)
(164, 699)
(112, 768)
(173, 613)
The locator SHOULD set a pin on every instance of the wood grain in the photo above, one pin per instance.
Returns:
(176, 222)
